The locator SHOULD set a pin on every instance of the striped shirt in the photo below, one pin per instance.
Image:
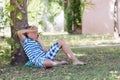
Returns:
(32, 49)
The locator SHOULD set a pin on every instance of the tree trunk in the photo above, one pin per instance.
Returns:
(116, 24)
(18, 54)
(65, 3)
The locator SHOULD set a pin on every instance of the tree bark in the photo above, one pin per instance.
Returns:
(18, 54)
(116, 24)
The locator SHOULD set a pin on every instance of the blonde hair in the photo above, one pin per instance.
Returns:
(33, 27)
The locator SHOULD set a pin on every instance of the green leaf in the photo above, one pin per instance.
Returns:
(20, 1)
(7, 50)
(19, 16)
(10, 8)
(41, 23)
(10, 41)
(17, 45)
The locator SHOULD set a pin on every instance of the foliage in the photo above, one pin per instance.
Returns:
(4, 53)
(69, 19)
(1, 18)
(2, 15)
(39, 11)
(19, 16)
(57, 1)
(76, 9)
(20, 1)
(53, 9)
(43, 9)
(34, 9)
(14, 45)
(73, 14)
(5, 14)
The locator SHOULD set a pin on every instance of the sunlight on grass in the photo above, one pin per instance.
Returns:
(118, 77)
(79, 55)
(80, 40)
(115, 74)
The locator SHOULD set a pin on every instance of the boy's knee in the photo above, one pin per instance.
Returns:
(61, 41)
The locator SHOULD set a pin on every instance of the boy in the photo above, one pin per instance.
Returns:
(37, 53)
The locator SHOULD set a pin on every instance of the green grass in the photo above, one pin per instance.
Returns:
(102, 64)
(79, 40)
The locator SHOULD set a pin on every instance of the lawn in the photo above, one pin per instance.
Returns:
(102, 63)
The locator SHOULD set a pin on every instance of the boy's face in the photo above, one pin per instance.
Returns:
(33, 35)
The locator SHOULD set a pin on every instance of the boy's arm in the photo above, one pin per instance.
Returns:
(40, 41)
(21, 33)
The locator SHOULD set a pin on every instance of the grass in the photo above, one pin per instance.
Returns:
(102, 64)
(80, 40)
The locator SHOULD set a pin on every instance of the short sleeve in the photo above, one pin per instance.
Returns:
(25, 41)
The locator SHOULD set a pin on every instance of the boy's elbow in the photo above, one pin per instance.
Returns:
(18, 32)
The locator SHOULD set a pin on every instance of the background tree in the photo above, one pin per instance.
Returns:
(73, 14)
(18, 15)
(116, 23)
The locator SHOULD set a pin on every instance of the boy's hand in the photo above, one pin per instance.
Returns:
(32, 31)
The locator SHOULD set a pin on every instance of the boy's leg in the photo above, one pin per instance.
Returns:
(52, 51)
(69, 53)
(50, 56)
(49, 63)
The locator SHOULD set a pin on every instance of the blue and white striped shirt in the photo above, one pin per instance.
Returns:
(32, 49)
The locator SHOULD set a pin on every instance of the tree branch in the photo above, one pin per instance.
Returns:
(19, 7)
